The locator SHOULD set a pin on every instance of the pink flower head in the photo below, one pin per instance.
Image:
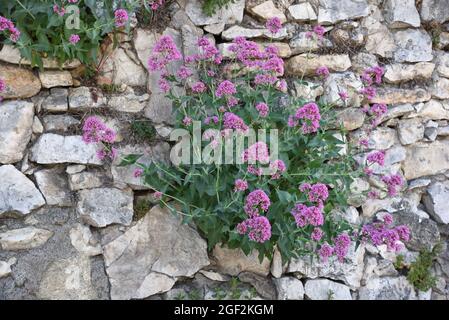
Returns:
(305, 216)
(274, 25)
(258, 229)
(378, 109)
(369, 92)
(184, 72)
(263, 109)
(138, 172)
(343, 95)
(376, 157)
(319, 31)
(317, 234)
(121, 17)
(187, 121)
(240, 185)
(58, 10)
(393, 182)
(225, 88)
(322, 71)
(7, 25)
(310, 116)
(164, 85)
(74, 39)
(341, 246)
(318, 193)
(199, 87)
(281, 85)
(255, 202)
(256, 152)
(325, 252)
(372, 74)
(278, 167)
(2, 85)
(388, 219)
(164, 52)
(213, 119)
(94, 131)
(233, 121)
(157, 195)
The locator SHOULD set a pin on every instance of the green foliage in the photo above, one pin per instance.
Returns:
(143, 130)
(110, 88)
(195, 294)
(44, 33)
(141, 208)
(420, 274)
(210, 7)
(399, 263)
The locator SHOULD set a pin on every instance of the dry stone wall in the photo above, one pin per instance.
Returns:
(69, 227)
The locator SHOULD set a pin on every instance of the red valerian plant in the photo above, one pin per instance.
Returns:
(294, 206)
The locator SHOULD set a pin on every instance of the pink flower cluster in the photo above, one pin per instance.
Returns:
(7, 25)
(58, 10)
(310, 116)
(257, 152)
(382, 232)
(317, 193)
(208, 52)
(305, 215)
(393, 182)
(74, 39)
(2, 87)
(233, 121)
(156, 4)
(121, 17)
(342, 242)
(274, 25)
(318, 32)
(164, 52)
(369, 77)
(322, 71)
(256, 226)
(95, 131)
(255, 202)
(225, 88)
(263, 109)
(376, 157)
(240, 185)
(278, 167)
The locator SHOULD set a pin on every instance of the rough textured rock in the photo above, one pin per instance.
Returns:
(350, 118)
(24, 238)
(17, 193)
(301, 43)
(82, 98)
(82, 240)
(52, 148)
(289, 288)
(435, 10)
(401, 96)
(324, 289)
(401, 13)
(20, 82)
(379, 39)
(144, 41)
(57, 101)
(307, 64)
(53, 185)
(440, 88)
(5, 267)
(268, 10)
(343, 82)
(234, 261)
(424, 232)
(307, 90)
(16, 120)
(350, 272)
(302, 12)
(426, 159)
(231, 15)
(413, 46)
(128, 103)
(436, 201)
(396, 73)
(104, 206)
(263, 285)
(330, 12)
(387, 288)
(149, 257)
(238, 31)
(55, 78)
(59, 122)
(86, 180)
(410, 131)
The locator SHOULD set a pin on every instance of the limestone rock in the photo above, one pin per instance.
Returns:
(128, 102)
(350, 271)
(268, 10)
(17, 193)
(289, 288)
(82, 240)
(55, 78)
(414, 45)
(53, 185)
(104, 206)
(122, 67)
(233, 14)
(350, 118)
(20, 82)
(324, 289)
(302, 12)
(24, 238)
(307, 90)
(330, 12)
(301, 43)
(435, 10)
(343, 82)
(396, 73)
(16, 120)
(401, 13)
(86, 180)
(234, 261)
(424, 233)
(68, 279)
(443, 64)
(436, 201)
(426, 159)
(149, 257)
(5, 267)
(410, 131)
(379, 39)
(307, 64)
(84, 98)
(57, 101)
(401, 96)
(60, 122)
(440, 88)
(362, 61)
(387, 288)
(144, 41)
(239, 31)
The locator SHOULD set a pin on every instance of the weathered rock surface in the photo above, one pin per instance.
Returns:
(18, 194)
(82, 240)
(401, 96)
(20, 82)
(234, 261)
(396, 73)
(57, 101)
(436, 201)
(128, 103)
(410, 131)
(231, 15)
(100, 207)
(238, 31)
(268, 10)
(308, 64)
(59, 122)
(302, 12)
(424, 233)
(149, 257)
(16, 120)
(53, 185)
(426, 159)
(82, 98)
(289, 288)
(435, 10)
(387, 288)
(401, 13)
(24, 238)
(343, 82)
(55, 78)
(324, 289)
(413, 46)
(51, 148)
(379, 39)
(330, 12)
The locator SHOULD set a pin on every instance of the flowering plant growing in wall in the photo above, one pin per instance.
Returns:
(279, 191)
(62, 29)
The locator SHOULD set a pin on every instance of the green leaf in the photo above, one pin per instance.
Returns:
(130, 159)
